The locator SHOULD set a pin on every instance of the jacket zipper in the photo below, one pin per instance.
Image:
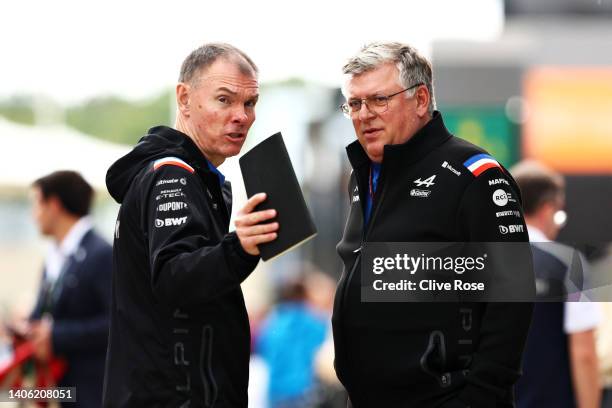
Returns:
(364, 237)
(206, 374)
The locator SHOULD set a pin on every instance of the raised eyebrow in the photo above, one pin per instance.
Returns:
(224, 89)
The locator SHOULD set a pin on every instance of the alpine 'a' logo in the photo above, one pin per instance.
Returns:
(428, 182)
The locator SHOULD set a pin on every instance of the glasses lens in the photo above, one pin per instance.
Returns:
(354, 105)
(345, 110)
(380, 101)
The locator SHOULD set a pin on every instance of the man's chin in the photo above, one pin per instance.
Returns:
(375, 154)
(232, 151)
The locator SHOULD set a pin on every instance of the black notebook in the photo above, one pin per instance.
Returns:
(266, 168)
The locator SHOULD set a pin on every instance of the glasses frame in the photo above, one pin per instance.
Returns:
(346, 110)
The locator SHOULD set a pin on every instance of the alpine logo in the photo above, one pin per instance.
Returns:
(428, 182)
(415, 192)
(451, 168)
(167, 222)
(511, 229)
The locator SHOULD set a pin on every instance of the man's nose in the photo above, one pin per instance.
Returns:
(240, 115)
(365, 112)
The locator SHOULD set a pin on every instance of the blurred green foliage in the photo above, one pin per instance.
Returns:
(110, 118)
(18, 109)
(117, 120)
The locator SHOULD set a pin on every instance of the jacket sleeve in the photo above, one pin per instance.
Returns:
(89, 333)
(490, 211)
(188, 265)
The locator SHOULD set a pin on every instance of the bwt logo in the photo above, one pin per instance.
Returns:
(167, 222)
(510, 229)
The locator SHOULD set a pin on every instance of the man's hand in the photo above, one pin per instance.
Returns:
(249, 229)
(40, 336)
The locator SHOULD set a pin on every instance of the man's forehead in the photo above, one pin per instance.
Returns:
(380, 79)
(234, 83)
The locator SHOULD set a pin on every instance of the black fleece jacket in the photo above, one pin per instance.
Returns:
(428, 354)
(179, 332)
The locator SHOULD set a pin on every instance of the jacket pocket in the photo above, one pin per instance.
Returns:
(433, 361)
(206, 372)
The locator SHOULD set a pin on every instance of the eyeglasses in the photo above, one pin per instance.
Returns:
(375, 103)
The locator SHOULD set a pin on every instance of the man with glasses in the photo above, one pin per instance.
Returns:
(413, 181)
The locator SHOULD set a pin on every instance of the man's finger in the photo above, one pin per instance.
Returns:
(260, 239)
(254, 218)
(257, 229)
(252, 203)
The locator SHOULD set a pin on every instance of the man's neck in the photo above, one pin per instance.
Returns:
(63, 227)
(534, 222)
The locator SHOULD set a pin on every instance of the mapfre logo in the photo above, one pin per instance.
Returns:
(497, 181)
(168, 222)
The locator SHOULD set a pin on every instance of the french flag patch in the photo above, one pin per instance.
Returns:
(172, 161)
(480, 163)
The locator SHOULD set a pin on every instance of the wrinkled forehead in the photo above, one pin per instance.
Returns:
(246, 84)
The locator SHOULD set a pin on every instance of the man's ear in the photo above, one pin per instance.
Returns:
(422, 98)
(55, 205)
(182, 98)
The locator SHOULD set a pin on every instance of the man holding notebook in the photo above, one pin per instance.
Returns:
(413, 181)
(179, 331)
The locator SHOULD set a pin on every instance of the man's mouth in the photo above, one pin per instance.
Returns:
(236, 136)
(370, 132)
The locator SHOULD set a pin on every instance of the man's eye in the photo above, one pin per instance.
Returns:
(354, 104)
(379, 99)
(250, 104)
(224, 99)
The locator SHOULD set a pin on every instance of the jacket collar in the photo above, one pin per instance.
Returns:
(192, 153)
(430, 136)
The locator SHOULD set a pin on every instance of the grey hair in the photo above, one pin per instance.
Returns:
(204, 56)
(413, 67)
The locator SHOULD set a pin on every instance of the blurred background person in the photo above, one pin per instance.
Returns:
(288, 341)
(70, 318)
(560, 360)
(604, 353)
